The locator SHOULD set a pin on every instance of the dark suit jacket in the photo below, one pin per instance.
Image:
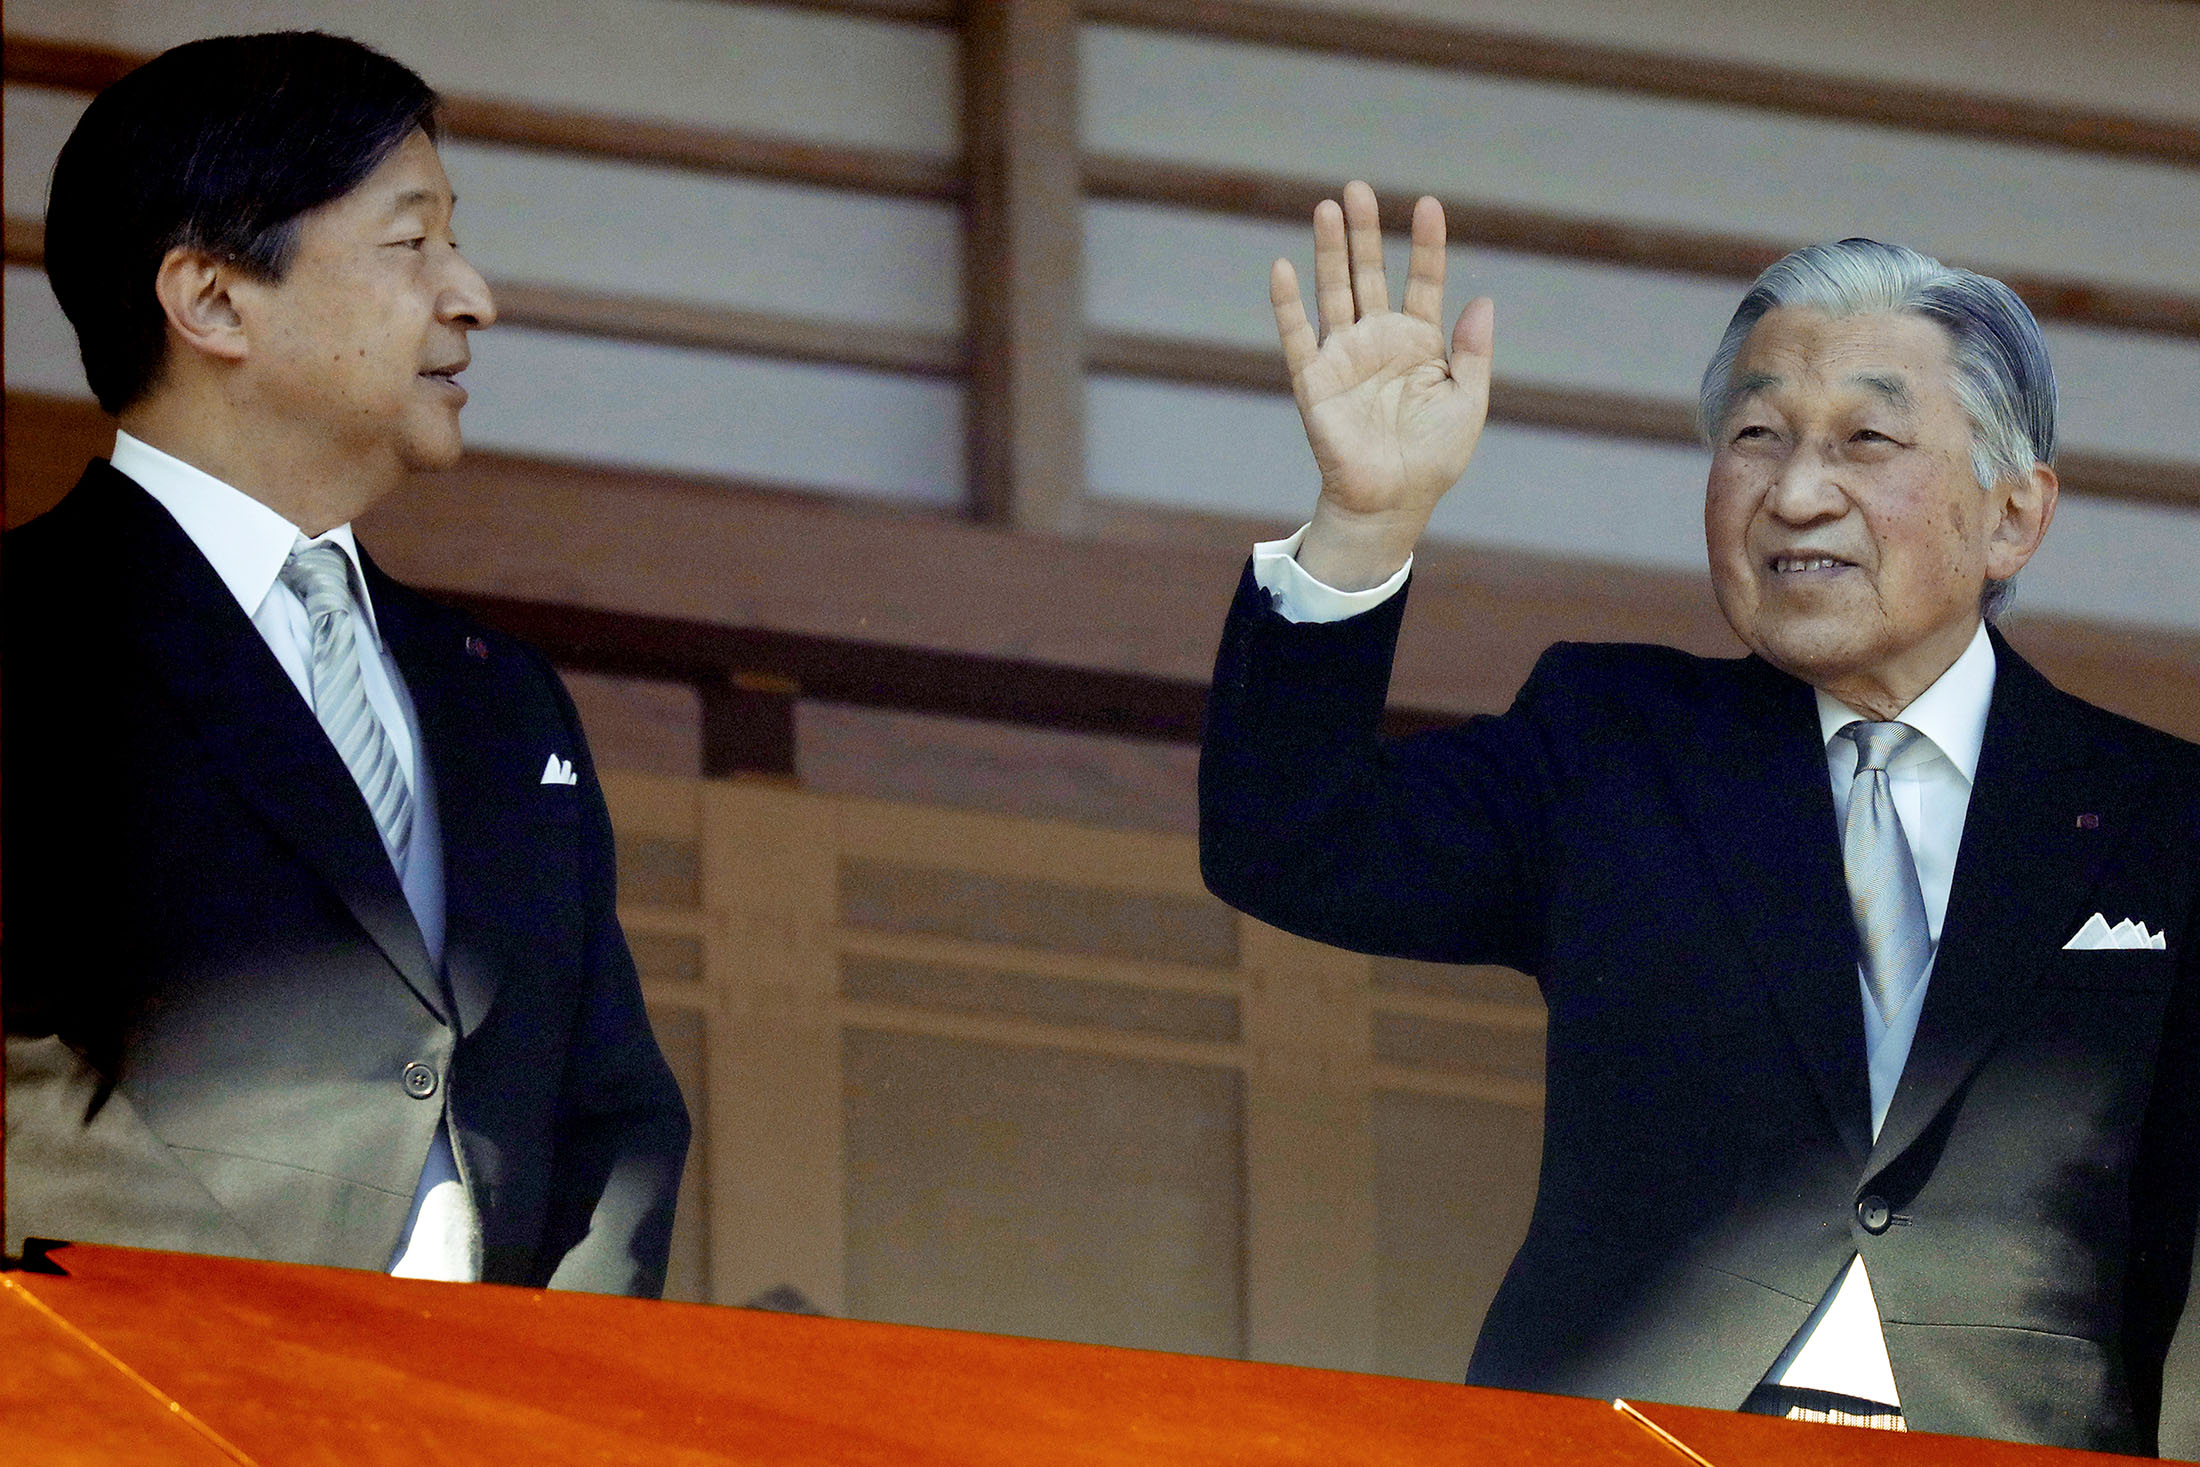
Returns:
(1652, 837)
(214, 986)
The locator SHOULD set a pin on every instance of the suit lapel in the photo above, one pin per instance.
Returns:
(2024, 879)
(453, 695)
(199, 648)
(1752, 773)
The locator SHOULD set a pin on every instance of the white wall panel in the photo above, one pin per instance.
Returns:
(1243, 453)
(701, 412)
(2127, 392)
(606, 226)
(759, 246)
(40, 347)
(2129, 55)
(2118, 562)
(1651, 160)
(1568, 494)
(37, 123)
(792, 73)
(1176, 272)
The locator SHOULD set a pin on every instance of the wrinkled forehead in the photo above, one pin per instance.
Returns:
(1896, 357)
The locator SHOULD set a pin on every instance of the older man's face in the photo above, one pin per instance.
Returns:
(1849, 538)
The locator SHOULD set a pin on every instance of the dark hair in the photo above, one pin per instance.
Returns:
(219, 145)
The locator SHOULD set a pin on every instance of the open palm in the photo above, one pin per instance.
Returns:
(1392, 410)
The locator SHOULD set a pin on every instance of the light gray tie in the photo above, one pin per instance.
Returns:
(1883, 890)
(321, 577)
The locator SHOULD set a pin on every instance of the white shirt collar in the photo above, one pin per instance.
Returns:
(246, 542)
(1951, 713)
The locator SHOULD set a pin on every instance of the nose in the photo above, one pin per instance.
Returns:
(465, 299)
(1804, 490)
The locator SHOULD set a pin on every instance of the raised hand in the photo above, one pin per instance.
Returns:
(1391, 409)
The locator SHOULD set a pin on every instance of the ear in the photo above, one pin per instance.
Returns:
(194, 292)
(2027, 507)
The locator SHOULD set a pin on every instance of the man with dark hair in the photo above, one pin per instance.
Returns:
(311, 947)
(1871, 962)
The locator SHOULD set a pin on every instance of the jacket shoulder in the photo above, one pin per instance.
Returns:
(1638, 679)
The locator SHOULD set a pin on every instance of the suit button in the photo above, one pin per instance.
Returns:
(419, 1081)
(1874, 1214)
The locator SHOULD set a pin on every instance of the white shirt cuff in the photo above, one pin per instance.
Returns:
(1299, 597)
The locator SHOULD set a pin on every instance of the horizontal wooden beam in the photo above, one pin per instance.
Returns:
(1366, 35)
(1372, 36)
(707, 150)
(1143, 594)
(723, 328)
(1605, 241)
(68, 66)
(913, 12)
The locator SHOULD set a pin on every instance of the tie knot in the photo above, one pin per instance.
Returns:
(321, 577)
(1878, 744)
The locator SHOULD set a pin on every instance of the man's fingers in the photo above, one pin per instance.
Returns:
(1364, 232)
(1332, 272)
(1425, 272)
(1299, 343)
(1474, 339)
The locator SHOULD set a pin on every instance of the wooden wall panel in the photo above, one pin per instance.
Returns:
(1021, 1075)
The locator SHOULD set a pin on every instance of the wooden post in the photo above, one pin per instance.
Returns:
(1024, 279)
(1309, 1157)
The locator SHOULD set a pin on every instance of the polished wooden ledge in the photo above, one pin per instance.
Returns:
(122, 1356)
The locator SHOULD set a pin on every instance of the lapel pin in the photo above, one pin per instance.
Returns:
(479, 651)
(2089, 822)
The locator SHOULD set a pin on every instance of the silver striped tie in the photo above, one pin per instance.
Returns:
(1883, 889)
(321, 577)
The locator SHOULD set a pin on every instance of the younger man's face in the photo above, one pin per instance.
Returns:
(361, 341)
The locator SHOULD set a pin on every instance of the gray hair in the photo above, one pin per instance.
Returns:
(2002, 376)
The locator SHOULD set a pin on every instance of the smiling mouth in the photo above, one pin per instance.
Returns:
(1793, 565)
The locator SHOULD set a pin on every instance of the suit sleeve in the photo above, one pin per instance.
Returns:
(622, 1126)
(1430, 847)
(2164, 1302)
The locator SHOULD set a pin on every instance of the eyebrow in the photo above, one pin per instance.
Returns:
(1888, 385)
(414, 198)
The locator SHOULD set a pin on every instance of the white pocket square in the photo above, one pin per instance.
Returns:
(559, 771)
(2096, 934)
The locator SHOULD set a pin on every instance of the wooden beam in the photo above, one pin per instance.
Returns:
(724, 328)
(706, 150)
(1383, 37)
(68, 66)
(1373, 36)
(1143, 595)
(1606, 241)
(914, 12)
(1024, 252)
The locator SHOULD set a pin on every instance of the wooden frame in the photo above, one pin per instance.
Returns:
(770, 920)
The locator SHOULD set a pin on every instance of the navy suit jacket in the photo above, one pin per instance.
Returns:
(215, 987)
(1652, 837)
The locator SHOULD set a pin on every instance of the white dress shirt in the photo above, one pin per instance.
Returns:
(1841, 1347)
(248, 545)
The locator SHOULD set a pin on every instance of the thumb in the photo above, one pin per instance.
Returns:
(1474, 339)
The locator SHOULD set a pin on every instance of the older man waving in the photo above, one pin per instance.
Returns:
(1874, 1059)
